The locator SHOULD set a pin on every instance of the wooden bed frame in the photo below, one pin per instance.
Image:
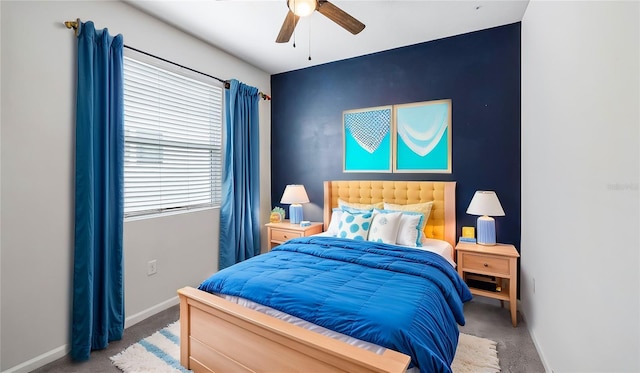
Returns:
(220, 336)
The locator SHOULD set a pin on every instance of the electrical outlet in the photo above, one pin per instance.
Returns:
(534, 285)
(152, 267)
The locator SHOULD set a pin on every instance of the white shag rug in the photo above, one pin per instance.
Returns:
(475, 355)
(160, 353)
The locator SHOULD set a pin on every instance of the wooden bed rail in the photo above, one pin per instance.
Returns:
(220, 336)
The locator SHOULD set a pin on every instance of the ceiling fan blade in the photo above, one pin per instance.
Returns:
(287, 28)
(340, 17)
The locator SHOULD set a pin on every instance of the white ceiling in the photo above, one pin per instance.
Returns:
(248, 29)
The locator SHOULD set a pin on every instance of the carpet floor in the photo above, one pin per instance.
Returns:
(516, 351)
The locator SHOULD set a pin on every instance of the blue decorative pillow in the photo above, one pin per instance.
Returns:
(355, 226)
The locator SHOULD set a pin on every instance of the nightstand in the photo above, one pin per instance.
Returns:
(278, 233)
(493, 270)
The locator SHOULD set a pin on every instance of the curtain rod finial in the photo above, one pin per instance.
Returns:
(75, 25)
(264, 96)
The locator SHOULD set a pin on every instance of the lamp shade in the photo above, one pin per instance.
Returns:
(295, 194)
(485, 203)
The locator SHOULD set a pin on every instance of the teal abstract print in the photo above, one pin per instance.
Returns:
(423, 137)
(367, 140)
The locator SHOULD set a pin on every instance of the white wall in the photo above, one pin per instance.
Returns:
(37, 127)
(0, 194)
(580, 175)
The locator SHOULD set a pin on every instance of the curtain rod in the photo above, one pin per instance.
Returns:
(75, 26)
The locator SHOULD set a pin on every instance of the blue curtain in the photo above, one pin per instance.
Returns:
(98, 288)
(239, 215)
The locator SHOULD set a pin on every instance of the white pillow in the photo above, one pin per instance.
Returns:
(335, 221)
(423, 208)
(384, 227)
(410, 229)
(355, 226)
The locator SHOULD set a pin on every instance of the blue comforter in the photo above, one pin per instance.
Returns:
(400, 298)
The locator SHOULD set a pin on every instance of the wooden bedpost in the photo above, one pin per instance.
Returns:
(327, 205)
(450, 227)
(185, 342)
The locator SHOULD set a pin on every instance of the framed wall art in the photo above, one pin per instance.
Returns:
(422, 137)
(367, 136)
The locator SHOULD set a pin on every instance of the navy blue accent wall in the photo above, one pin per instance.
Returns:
(479, 72)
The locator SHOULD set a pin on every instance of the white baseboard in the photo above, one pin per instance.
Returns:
(57, 353)
(546, 366)
(134, 319)
(40, 361)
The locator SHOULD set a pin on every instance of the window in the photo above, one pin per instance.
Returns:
(173, 140)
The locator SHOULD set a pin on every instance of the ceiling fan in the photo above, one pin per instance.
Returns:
(302, 8)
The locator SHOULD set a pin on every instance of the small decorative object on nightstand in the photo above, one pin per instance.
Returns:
(277, 215)
(278, 233)
(468, 232)
(490, 271)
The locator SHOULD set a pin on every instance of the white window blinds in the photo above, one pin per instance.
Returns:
(173, 141)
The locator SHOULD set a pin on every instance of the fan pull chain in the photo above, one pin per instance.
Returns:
(294, 24)
(309, 38)
(294, 37)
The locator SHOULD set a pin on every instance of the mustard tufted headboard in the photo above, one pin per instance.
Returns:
(442, 219)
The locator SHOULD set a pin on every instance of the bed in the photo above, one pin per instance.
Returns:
(218, 335)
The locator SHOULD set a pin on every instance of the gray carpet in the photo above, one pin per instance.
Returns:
(516, 351)
(515, 347)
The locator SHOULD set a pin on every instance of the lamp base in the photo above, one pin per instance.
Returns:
(486, 231)
(295, 213)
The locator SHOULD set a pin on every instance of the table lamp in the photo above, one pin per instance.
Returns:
(295, 195)
(486, 204)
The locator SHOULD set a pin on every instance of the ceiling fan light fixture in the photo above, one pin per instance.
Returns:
(302, 8)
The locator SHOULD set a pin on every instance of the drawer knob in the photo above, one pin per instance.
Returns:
(486, 265)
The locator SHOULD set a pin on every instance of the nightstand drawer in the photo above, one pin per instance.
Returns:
(280, 232)
(482, 263)
(281, 235)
